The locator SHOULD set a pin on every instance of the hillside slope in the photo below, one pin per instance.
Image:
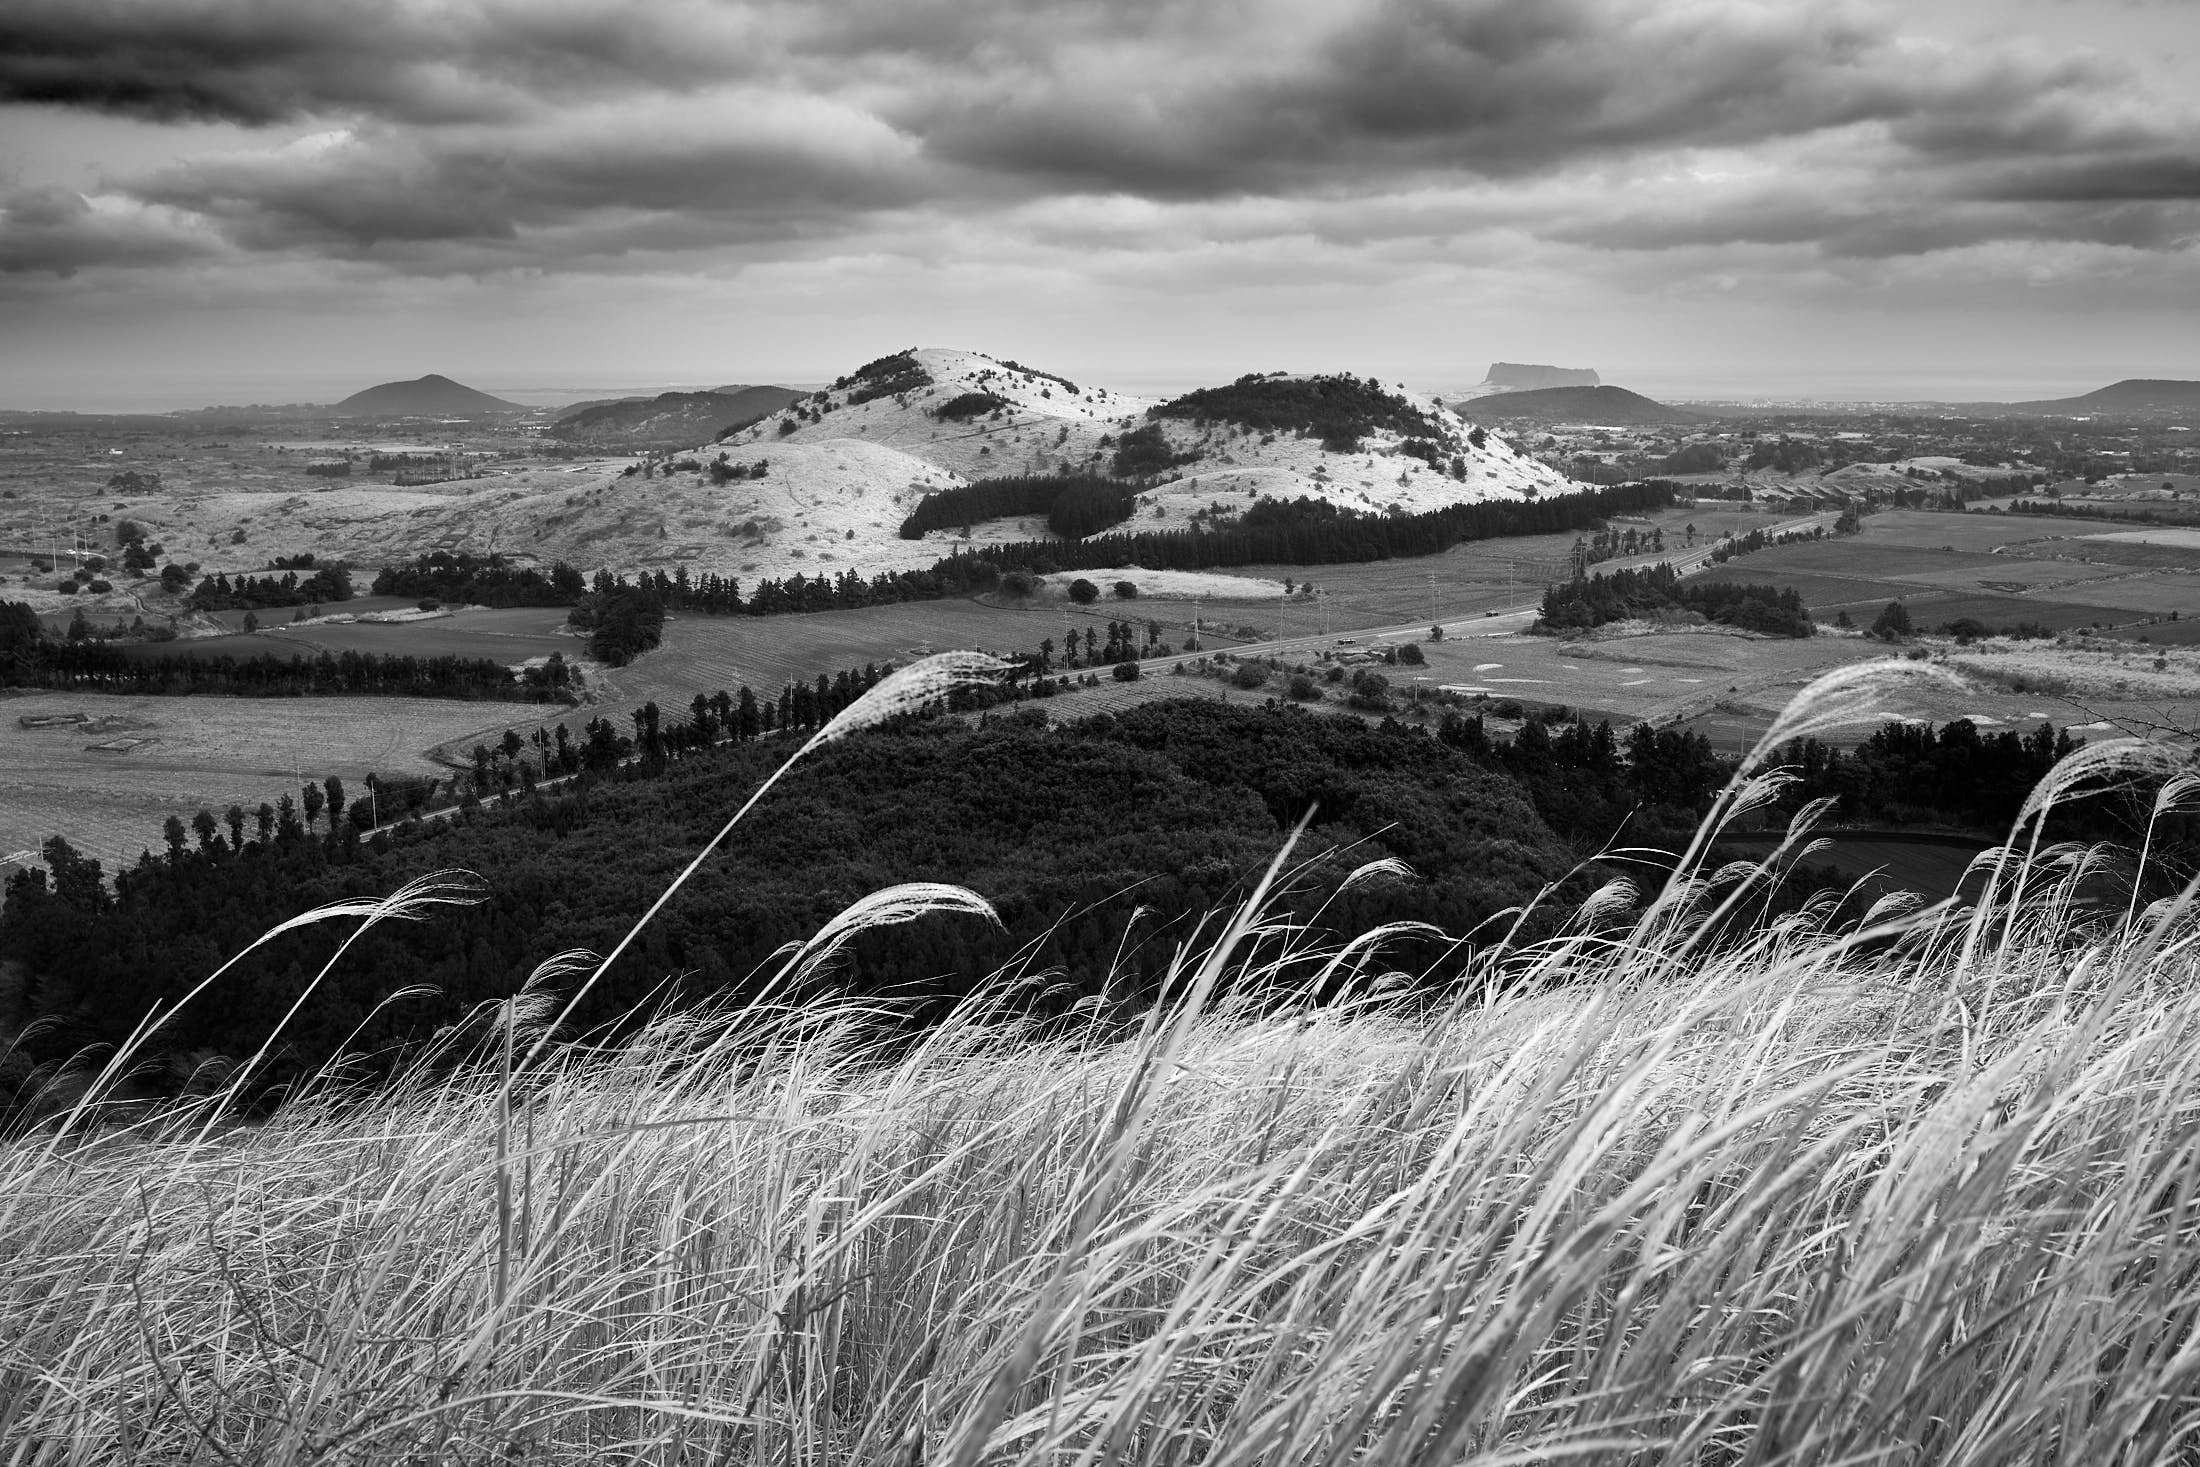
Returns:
(2132, 395)
(670, 419)
(824, 484)
(1042, 424)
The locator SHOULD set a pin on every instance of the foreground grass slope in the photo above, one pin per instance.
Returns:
(1802, 1198)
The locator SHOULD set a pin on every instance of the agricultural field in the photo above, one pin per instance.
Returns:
(509, 635)
(108, 786)
(1469, 580)
(1998, 570)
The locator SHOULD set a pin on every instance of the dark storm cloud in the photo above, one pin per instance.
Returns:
(264, 61)
(759, 171)
(2157, 177)
(1495, 88)
(518, 129)
(57, 232)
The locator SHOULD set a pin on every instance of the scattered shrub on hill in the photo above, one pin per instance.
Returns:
(1126, 590)
(1126, 672)
(968, 405)
(1083, 592)
(724, 471)
(1016, 366)
(1339, 410)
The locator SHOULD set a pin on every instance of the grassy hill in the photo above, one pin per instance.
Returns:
(825, 483)
(1667, 1189)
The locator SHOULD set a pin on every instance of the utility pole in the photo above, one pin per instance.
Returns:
(1435, 615)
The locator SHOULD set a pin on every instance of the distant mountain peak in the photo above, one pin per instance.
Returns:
(2132, 395)
(1600, 404)
(1527, 376)
(432, 396)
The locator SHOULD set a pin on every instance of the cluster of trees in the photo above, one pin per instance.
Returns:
(1339, 410)
(1125, 641)
(1011, 364)
(966, 405)
(1787, 455)
(221, 592)
(622, 621)
(1592, 601)
(1076, 505)
(384, 463)
(96, 667)
(1757, 540)
(1143, 453)
(724, 471)
(1309, 531)
(1909, 773)
(1163, 812)
(1693, 458)
(1590, 787)
(888, 376)
(480, 580)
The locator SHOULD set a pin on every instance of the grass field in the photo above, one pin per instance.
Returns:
(508, 635)
(208, 752)
(1653, 1194)
(1997, 570)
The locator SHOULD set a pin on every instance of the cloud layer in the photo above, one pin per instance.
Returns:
(1200, 141)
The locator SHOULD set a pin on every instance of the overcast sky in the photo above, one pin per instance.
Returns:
(283, 200)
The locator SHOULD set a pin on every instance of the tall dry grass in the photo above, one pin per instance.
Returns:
(1635, 1195)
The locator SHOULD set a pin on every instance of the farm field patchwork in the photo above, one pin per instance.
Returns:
(507, 635)
(171, 756)
(1945, 567)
